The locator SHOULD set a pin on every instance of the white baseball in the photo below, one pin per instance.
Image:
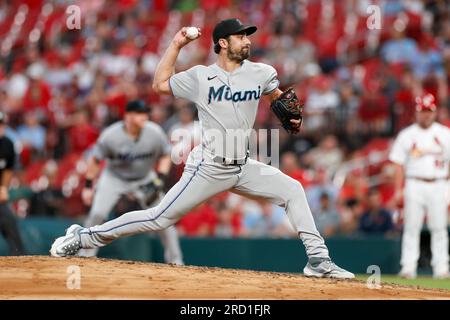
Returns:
(192, 32)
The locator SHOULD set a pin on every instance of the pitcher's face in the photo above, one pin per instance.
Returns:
(238, 47)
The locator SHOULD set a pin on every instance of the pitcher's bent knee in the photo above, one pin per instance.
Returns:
(158, 221)
(295, 190)
(294, 193)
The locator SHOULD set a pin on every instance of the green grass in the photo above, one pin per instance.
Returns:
(421, 281)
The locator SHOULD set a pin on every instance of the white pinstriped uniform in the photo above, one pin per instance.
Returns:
(425, 157)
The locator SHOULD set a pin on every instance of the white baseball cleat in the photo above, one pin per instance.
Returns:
(69, 244)
(326, 269)
(407, 273)
(441, 274)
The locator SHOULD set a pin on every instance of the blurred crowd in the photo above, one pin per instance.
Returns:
(60, 87)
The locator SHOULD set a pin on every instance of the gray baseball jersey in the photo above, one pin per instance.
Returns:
(131, 159)
(226, 101)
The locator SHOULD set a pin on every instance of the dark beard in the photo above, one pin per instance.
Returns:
(238, 56)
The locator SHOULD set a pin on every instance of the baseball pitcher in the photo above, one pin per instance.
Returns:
(131, 148)
(421, 154)
(227, 95)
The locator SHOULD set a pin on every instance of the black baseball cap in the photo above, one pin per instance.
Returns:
(137, 106)
(228, 27)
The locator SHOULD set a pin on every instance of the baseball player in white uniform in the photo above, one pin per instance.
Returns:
(421, 154)
(131, 149)
(227, 95)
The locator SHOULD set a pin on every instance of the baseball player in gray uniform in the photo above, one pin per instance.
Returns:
(227, 95)
(131, 148)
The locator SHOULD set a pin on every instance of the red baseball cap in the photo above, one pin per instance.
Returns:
(426, 102)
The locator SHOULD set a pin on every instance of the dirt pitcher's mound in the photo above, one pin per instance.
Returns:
(38, 277)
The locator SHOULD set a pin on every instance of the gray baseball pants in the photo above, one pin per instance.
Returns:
(203, 178)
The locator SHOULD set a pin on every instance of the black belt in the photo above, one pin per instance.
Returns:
(427, 179)
(130, 179)
(230, 162)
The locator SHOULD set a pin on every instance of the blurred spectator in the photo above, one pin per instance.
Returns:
(326, 155)
(321, 185)
(355, 187)
(291, 167)
(159, 115)
(376, 219)
(327, 37)
(326, 216)
(82, 134)
(184, 134)
(393, 7)
(228, 221)
(38, 94)
(48, 199)
(298, 53)
(84, 75)
(321, 105)
(429, 67)
(404, 107)
(185, 123)
(14, 137)
(266, 220)
(374, 111)
(444, 116)
(199, 222)
(399, 49)
(386, 185)
(58, 75)
(350, 214)
(143, 81)
(348, 105)
(428, 62)
(16, 85)
(32, 134)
